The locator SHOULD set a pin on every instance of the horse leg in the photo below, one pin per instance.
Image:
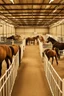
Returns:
(56, 60)
(19, 55)
(6, 59)
(48, 58)
(0, 68)
(52, 59)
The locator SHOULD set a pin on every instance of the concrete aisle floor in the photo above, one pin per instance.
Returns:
(31, 79)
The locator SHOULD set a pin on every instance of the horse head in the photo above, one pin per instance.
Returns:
(50, 39)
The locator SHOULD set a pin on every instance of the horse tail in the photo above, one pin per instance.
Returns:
(43, 54)
(57, 52)
(19, 55)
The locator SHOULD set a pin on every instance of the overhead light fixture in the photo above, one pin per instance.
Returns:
(51, 1)
(48, 6)
(6, 20)
(12, 1)
(54, 10)
(13, 17)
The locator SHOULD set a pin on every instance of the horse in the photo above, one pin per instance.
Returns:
(36, 38)
(41, 38)
(15, 49)
(30, 40)
(5, 54)
(50, 39)
(51, 54)
(56, 44)
(13, 37)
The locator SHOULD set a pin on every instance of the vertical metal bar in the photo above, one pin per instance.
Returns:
(63, 87)
(6, 30)
(3, 31)
(3, 86)
(56, 30)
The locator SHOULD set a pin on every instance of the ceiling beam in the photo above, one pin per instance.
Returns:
(37, 15)
(30, 9)
(30, 12)
(9, 4)
(34, 18)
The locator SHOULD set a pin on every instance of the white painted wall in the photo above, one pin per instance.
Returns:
(31, 31)
(6, 29)
(57, 29)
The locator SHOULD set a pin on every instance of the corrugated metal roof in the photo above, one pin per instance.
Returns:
(31, 12)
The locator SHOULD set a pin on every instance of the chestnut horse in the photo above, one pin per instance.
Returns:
(41, 38)
(5, 54)
(51, 53)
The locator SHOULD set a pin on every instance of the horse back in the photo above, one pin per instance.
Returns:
(15, 49)
(58, 45)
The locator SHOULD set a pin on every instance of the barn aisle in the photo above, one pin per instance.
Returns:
(31, 80)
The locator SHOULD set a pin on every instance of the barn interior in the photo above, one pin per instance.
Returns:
(29, 18)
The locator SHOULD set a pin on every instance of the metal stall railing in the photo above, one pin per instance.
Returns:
(43, 46)
(8, 79)
(56, 83)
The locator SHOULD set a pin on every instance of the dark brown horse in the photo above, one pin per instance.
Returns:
(55, 43)
(51, 54)
(52, 40)
(31, 40)
(14, 37)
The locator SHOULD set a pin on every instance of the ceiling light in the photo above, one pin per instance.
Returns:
(13, 17)
(54, 10)
(6, 20)
(12, 1)
(48, 6)
(51, 1)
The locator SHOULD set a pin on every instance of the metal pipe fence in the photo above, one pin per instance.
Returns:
(8, 79)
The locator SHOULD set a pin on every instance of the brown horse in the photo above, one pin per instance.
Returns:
(31, 40)
(51, 53)
(5, 54)
(41, 38)
(15, 49)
